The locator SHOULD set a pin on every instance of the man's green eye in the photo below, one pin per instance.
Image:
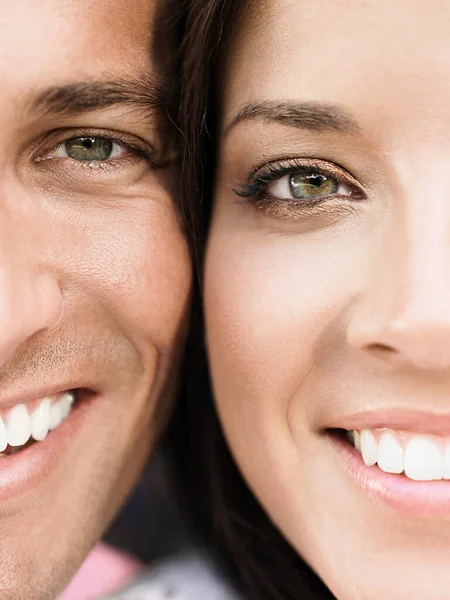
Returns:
(89, 149)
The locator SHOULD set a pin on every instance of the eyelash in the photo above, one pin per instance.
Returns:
(132, 150)
(261, 176)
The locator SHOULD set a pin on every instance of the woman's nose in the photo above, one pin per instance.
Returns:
(404, 304)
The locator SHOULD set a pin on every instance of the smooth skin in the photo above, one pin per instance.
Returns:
(315, 313)
(94, 267)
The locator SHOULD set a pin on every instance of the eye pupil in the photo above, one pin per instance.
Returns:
(315, 180)
(311, 185)
(89, 148)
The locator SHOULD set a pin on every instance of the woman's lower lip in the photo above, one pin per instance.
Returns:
(415, 498)
(23, 471)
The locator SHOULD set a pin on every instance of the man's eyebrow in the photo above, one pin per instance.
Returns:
(313, 116)
(77, 98)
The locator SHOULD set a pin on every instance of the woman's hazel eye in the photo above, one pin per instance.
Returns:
(88, 149)
(306, 186)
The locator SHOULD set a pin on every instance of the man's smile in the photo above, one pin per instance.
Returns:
(95, 275)
(22, 424)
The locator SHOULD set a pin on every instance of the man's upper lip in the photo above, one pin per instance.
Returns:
(419, 421)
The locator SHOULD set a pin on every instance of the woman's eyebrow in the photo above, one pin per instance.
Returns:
(73, 99)
(313, 116)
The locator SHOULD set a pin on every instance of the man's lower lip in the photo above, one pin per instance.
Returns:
(26, 469)
(415, 498)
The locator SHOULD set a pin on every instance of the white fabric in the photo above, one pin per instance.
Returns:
(187, 577)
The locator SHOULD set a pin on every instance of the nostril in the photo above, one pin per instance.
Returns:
(381, 352)
(382, 349)
(418, 353)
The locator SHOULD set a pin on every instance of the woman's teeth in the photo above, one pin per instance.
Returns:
(419, 457)
(19, 426)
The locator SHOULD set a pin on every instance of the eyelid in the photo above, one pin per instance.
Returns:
(263, 174)
(54, 139)
(299, 165)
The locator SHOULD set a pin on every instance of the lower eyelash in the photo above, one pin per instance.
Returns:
(292, 211)
(97, 165)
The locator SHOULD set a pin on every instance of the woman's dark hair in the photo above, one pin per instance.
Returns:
(226, 515)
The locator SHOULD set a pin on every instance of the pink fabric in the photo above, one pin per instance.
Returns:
(104, 571)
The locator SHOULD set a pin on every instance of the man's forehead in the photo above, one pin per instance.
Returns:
(85, 35)
(47, 45)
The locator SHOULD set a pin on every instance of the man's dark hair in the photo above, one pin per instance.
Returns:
(225, 514)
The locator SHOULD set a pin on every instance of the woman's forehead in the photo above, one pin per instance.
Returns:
(357, 54)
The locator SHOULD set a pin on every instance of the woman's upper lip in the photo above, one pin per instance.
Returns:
(419, 421)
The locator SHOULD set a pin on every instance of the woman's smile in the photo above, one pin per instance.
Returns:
(327, 283)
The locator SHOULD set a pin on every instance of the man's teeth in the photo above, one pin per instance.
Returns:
(19, 425)
(419, 457)
(39, 419)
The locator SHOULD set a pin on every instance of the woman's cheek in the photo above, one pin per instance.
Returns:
(272, 304)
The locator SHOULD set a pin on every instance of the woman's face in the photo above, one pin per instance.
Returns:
(328, 284)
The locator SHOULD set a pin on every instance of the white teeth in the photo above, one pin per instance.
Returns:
(3, 436)
(420, 457)
(65, 404)
(446, 464)
(40, 420)
(423, 460)
(55, 415)
(357, 440)
(369, 448)
(17, 428)
(390, 454)
(18, 425)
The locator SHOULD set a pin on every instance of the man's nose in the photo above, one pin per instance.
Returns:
(403, 311)
(30, 297)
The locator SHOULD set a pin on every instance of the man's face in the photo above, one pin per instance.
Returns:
(94, 275)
